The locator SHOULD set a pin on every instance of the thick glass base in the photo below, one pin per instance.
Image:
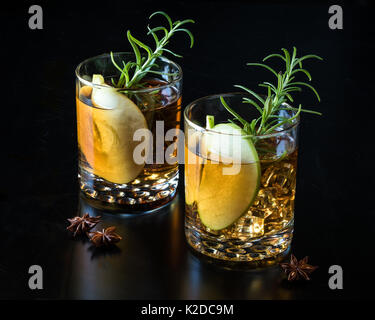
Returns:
(139, 196)
(264, 251)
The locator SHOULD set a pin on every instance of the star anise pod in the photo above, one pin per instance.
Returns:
(79, 225)
(296, 269)
(105, 237)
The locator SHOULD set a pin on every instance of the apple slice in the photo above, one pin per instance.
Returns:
(223, 198)
(105, 133)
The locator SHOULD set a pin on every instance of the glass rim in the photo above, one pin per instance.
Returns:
(91, 84)
(197, 127)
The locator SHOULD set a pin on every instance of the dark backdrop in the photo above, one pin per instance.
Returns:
(38, 189)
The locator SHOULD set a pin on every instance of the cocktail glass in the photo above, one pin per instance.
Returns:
(125, 162)
(239, 190)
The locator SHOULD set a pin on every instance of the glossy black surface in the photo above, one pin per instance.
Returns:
(38, 184)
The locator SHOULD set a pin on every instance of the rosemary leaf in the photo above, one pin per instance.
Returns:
(277, 95)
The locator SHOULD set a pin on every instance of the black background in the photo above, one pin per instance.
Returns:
(38, 184)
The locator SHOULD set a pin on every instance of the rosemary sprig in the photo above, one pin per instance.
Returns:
(132, 72)
(277, 94)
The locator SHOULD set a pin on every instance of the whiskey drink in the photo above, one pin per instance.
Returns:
(246, 216)
(107, 120)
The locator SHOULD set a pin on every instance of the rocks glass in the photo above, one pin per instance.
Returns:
(246, 215)
(125, 162)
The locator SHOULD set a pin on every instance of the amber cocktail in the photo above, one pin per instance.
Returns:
(239, 190)
(112, 122)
